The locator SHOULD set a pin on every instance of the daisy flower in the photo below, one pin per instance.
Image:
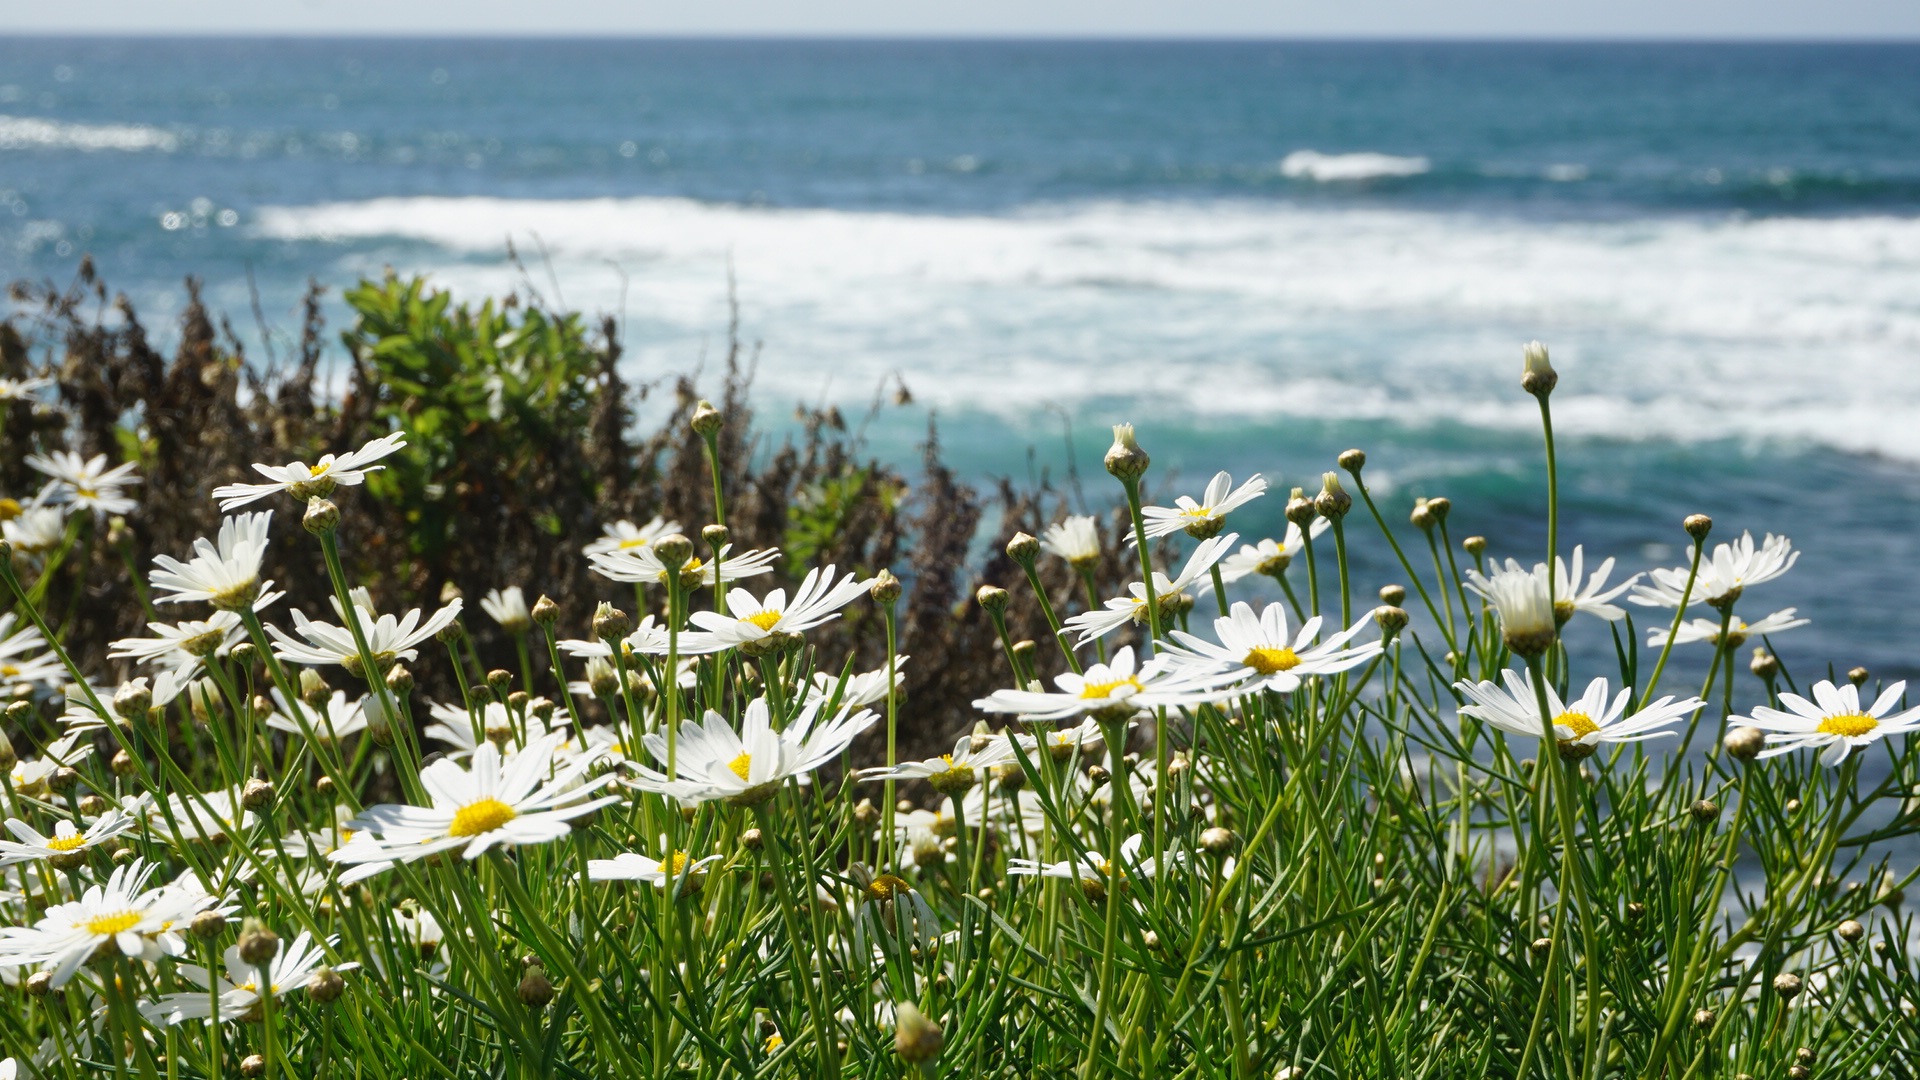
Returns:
(1077, 540)
(1723, 577)
(456, 728)
(626, 536)
(887, 905)
(1093, 867)
(1084, 737)
(1110, 691)
(642, 564)
(747, 767)
(1132, 608)
(818, 600)
(1204, 518)
(15, 665)
(315, 481)
(86, 483)
(121, 914)
(661, 873)
(36, 530)
(508, 607)
(522, 799)
(182, 646)
(332, 721)
(238, 991)
(1579, 726)
(1738, 629)
(952, 773)
(1257, 650)
(12, 390)
(67, 846)
(1521, 599)
(1570, 594)
(389, 639)
(69, 750)
(1834, 722)
(865, 688)
(225, 574)
(648, 639)
(1270, 558)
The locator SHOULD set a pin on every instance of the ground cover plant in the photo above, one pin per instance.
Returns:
(281, 803)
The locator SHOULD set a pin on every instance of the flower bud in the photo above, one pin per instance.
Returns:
(1023, 549)
(40, 984)
(536, 991)
(1476, 545)
(610, 624)
(256, 795)
(1764, 664)
(1541, 946)
(313, 688)
(674, 550)
(209, 925)
(1538, 378)
(716, 536)
(1636, 911)
(1745, 743)
(1300, 509)
(993, 598)
(1422, 516)
(1392, 620)
(253, 1065)
(1217, 842)
(326, 986)
(1703, 1018)
(1125, 460)
(1787, 985)
(1705, 811)
(258, 945)
(132, 700)
(1333, 502)
(8, 756)
(706, 421)
(400, 680)
(63, 779)
(540, 708)
(1858, 676)
(1353, 460)
(1098, 775)
(322, 517)
(602, 679)
(1851, 931)
(323, 787)
(753, 839)
(452, 634)
(1393, 594)
(498, 680)
(545, 612)
(1439, 506)
(885, 588)
(916, 1038)
(93, 806)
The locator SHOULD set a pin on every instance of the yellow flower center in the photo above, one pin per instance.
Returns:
(1200, 513)
(675, 863)
(1850, 725)
(86, 492)
(774, 1042)
(632, 542)
(1580, 724)
(886, 887)
(763, 620)
(109, 925)
(1106, 689)
(9, 670)
(741, 765)
(479, 817)
(320, 470)
(67, 843)
(1268, 661)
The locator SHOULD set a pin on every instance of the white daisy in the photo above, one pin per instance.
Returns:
(626, 536)
(522, 799)
(642, 564)
(185, 645)
(864, 688)
(1093, 866)
(883, 904)
(508, 607)
(650, 638)
(1521, 599)
(67, 844)
(1077, 540)
(1204, 518)
(226, 574)
(1084, 737)
(389, 639)
(1723, 577)
(1270, 558)
(1132, 608)
(1110, 691)
(1579, 726)
(314, 481)
(1834, 722)
(1571, 594)
(120, 914)
(1256, 649)
(1738, 629)
(333, 721)
(21, 389)
(68, 751)
(456, 728)
(15, 665)
(36, 529)
(239, 992)
(664, 872)
(747, 767)
(949, 773)
(86, 483)
(817, 600)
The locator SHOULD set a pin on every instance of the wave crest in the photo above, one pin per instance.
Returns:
(27, 132)
(1333, 168)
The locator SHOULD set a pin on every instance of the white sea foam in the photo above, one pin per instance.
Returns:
(1328, 168)
(26, 132)
(1785, 328)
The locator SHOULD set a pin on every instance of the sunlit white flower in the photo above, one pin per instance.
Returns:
(674, 867)
(650, 638)
(1077, 540)
(66, 843)
(420, 929)
(497, 725)
(36, 529)
(1521, 599)
(1579, 726)
(1738, 629)
(1257, 649)
(204, 818)
(1113, 690)
(1571, 594)
(120, 914)
(1270, 558)
(332, 721)
(1723, 576)
(520, 799)
(16, 666)
(818, 600)
(86, 483)
(389, 639)
(747, 767)
(508, 607)
(949, 773)
(12, 390)
(642, 564)
(863, 688)
(626, 536)
(1083, 738)
(1205, 517)
(1093, 866)
(887, 907)
(1132, 608)
(225, 574)
(237, 993)
(185, 645)
(1834, 722)
(305, 481)
(69, 750)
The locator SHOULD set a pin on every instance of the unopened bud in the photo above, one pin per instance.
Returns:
(541, 708)
(1859, 676)
(706, 421)
(40, 984)
(63, 779)
(313, 688)
(1697, 526)
(1704, 811)
(326, 986)
(256, 795)
(1300, 509)
(610, 624)
(1098, 775)
(1333, 502)
(1393, 594)
(258, 945)
(1538, 378)
(752, 840)
(1787, 985)
(322, 517)
(132, 700)
(1636, 911)
(885, 588)
(602, 679)
(1439, 506)
(1745, 743)
(209, 925)
(1422, 516)
(1217, 842)
(1476, 545)
(400, 680)
(452, 634)
(1125, 460)
(93, 806)
(1353, 460)
(323, 787)
(916, 1038)
(1392, 619)
(1851, 930)
(1764, 664)
(498, 680)
(1703, 1018)
(1024, 650)
(545, 612)
(993, 598)
(536, 990)
(1023, 549)
(674, 550)
(716, 536)
(253, 1065)
(122, 764)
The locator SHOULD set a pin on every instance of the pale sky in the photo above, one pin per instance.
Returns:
(1732, 19)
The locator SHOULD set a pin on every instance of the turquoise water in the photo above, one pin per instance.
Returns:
(1262, 253)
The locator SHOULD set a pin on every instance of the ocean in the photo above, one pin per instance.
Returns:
(1261, 253)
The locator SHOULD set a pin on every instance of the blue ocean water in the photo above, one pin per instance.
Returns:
(1260, 252)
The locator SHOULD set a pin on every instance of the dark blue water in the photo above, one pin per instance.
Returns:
(1261, 252)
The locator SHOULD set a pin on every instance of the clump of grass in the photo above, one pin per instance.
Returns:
(663, 835)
